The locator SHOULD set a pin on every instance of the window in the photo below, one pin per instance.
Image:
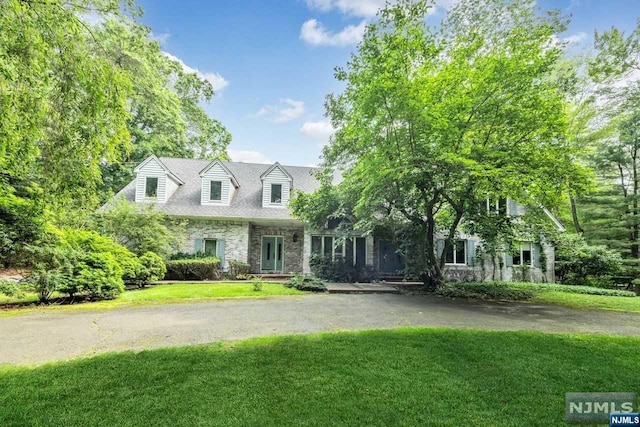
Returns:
(276, 193)
(353, 250)
(210, 247)
(524, 255)
(456, 253)
(151, 187)
(216, 191)
(497, 206)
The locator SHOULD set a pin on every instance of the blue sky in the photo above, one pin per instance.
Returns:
(271, 61)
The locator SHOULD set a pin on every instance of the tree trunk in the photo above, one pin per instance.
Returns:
(635, 225)
(574, 215)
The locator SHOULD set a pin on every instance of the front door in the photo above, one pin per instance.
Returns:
(389, 261)
(272, 253)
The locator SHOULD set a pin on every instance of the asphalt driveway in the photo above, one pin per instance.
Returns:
(37, 338)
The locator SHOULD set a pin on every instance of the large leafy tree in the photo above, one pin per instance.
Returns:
(167, 118)
(432, 120)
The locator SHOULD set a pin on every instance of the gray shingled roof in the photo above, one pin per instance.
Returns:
(247, 200)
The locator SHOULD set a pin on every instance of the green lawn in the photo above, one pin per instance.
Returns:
(163, 294)
(570, 296)
(604, 302)
(374, 378)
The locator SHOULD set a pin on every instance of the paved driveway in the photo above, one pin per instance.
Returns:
(37, 338)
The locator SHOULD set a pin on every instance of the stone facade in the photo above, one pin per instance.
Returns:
(234, 233)
(294, 238)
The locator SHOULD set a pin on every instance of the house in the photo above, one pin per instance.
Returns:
(238, 211)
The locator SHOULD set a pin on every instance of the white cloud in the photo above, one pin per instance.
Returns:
(160, 38)
(217, 81)
(248, 156)
(365, 8)
(575, 38)
(288, 109)
(316, 34)
(320, 131)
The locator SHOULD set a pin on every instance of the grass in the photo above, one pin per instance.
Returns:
(159, 294)
(583, 297)
(406, 377)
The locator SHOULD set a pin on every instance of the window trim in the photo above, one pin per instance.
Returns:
(455, 256)
(211, 199)
(344, 247)
(271, 195)
(521, 253)
(146, 187)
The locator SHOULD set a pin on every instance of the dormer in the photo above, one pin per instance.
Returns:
(217, 184)
(155, 183)
(276, 187)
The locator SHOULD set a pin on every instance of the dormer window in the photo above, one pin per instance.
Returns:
(215, 195)
(151, 187)
(276, 193)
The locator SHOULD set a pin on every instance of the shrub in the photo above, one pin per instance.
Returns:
(239, 270)
(341, 270)
(486, 291)
(578, 263)
(153, 269)
(99, 276)
(10, 288)
(90, 242)
(257, 284)
(45, 282)
(194, 269)
(306, 283)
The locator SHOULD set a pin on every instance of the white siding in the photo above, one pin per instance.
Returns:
(276, 176)
(171, 188)
(216, 173)
(151, 169)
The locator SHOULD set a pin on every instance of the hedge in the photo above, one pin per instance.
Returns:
(193, 269)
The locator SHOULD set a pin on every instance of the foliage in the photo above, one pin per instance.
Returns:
(306, 283)
(239, 270)
(64, 104)
(98, 275)
(194, 269)
(433, 120)
(22, 222)
(153, 269)
(486, 291)
(10, 288)
(256, 284)
(341, 270)
(577, 262)
(140, 228)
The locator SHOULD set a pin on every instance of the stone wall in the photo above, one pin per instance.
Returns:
(293, 251)
(234, 233)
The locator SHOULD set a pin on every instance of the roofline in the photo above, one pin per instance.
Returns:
(555, 220)
(272, 167)
(226, 169)
(166, 169)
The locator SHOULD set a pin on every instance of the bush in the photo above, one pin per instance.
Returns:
(194, 269)
(153, 269)
(578, 263)
(10, 288)
(518, 291)
(257, 284)
(486, 291)
(306, 283)
(98, 275)
(341, 270)
(239, 270)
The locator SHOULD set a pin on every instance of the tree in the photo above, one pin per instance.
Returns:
(140, 229)
(166, 116)
(64, 106)
(433, 120)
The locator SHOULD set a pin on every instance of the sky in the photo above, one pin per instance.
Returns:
(271, 62)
